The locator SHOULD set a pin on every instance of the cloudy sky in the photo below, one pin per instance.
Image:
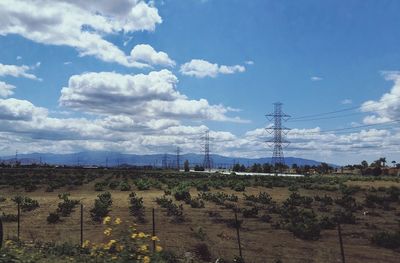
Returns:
(147, 76)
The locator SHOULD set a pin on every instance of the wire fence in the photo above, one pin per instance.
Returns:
(204, 225)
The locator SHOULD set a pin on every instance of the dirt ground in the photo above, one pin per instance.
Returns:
(260, 241)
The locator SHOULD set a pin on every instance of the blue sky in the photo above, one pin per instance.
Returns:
(70, 81)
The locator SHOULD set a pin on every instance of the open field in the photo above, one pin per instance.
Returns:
(269, 225)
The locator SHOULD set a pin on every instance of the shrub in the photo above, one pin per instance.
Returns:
(196, 203)
(124, 186)
(99, 187)
(143, 184)
(136, 207)
(386, 239)
(266, 218)
(9, 217)
(66, 207)
(53, 218)
(253, 212)
(344, 217)
(181, 193)
(30, 187)
(203, 187)
(239, 187)
(2, 199)
(327, 223)
(202, 252)
(172, 209)
(27, 204)
(101, 206)
(113, 185)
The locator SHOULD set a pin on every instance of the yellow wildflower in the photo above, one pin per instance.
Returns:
(134, 235)
(155, 238)
(112, 241)
(159, 248)
(141, 235)
(118, 221)
(9, 243)
(120, 248)
(106, 220)
(146, 259)
(85, 244)
(107, 231)
(143, 248)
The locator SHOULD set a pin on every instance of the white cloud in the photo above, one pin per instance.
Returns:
(79, 24)
(146, 53)
(249, 62)
(346, 101)
(387, 108)
(17, 71)
(140, 96)
(316, 78)
(201, 68)
(19, 57)
(14, 109)
(6, 89)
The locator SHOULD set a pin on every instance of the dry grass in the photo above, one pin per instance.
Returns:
(260, 242)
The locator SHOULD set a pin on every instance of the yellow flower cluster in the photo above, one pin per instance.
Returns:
(135, 248)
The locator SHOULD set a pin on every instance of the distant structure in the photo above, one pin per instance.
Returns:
(207, 160)
(278, 132)
(178, 157)
(165, 161)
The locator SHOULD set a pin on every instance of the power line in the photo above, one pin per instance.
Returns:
(342, 110)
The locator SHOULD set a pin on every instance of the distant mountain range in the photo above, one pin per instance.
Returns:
(99, 158)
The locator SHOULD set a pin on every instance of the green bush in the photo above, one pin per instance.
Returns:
(101, 206)
(181, 193)
(124, 186)
(143, 184)
(136, 207)
(53, 218)
(386, 239)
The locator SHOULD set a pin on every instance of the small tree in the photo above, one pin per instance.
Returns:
(186, 166)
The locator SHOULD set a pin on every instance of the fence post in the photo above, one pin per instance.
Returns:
(238, 235)
(81, 225)
(154, 231)
(1, 233)
(18, 220)
(341, 243)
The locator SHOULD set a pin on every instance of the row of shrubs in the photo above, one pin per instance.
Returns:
(64, 208)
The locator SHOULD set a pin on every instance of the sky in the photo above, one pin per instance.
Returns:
(147, 76)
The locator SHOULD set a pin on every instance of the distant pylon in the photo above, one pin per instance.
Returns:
(165, 161)
(207, 160)
(178, 157)
(279, 133)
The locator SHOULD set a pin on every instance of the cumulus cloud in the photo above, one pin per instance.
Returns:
(200, 68)
(14, 109)
(30, 127)
(141, 96)
(387, 108)
(17, 71)
(146, 53)
(6, 89)
(79, 24)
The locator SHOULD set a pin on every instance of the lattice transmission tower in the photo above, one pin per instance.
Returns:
(278, 132)
(207, 163)
(178, 158)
